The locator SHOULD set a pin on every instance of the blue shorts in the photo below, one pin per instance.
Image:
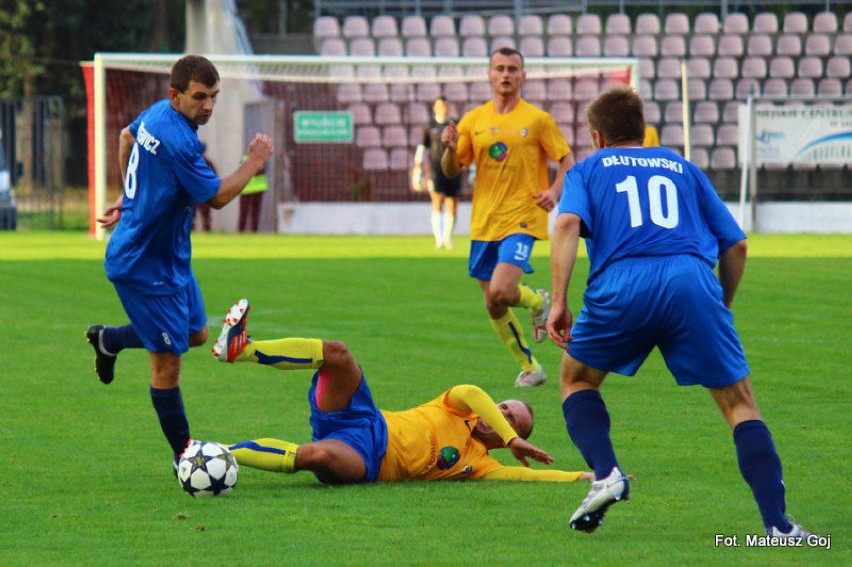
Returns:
(672, 302)
(361, 426)
(515, 249)
(164, 322)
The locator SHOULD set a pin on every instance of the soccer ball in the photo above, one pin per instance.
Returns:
(207, 469)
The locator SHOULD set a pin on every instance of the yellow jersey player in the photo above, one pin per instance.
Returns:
(353, 441)
(509, 141)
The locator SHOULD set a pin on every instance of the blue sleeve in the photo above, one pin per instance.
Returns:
(575, 197)
(195, 175)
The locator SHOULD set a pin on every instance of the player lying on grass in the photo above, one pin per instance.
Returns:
(354, 441)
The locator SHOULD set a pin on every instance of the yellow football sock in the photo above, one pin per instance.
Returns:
(510, 333)
(530, 298)
(266, 454)
(284, 354)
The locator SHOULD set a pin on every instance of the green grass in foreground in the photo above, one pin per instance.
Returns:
(89, 479)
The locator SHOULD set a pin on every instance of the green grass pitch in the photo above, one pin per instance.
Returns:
(86, 476)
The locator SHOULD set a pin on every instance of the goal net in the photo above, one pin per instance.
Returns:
(345, 128)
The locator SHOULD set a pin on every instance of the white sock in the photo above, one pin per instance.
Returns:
(449, 224)
(436, 227)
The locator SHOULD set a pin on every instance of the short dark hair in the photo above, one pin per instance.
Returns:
(526, 434)
(506, 52)
(193, 68)
(619, 115)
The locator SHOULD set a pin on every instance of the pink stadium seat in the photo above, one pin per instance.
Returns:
(376, 92)
(646, 91)
(390, 47)
(706, 23)
(673, 112)
(560, 46)
(349, 92)
(326, 26)
(647, 68)
(456, 92)
(702, 135)
(384, 26)
(725, 68)
(736, 22)
(586, 88)
(830, 87)
(671, 135)
(471, 25)
(644, 45)
(666, 89)
(702, 45)
(447, 47)
(567, 129)
(647, 24)
(802, 87)
(560, 89)
(388, 113)
(560, 24)
(701, 157)
(420, 47)
(795, 22)
(730, 111)
(531, 24)
(442, 26)
(788, 44)
(652, 112)
(720, 89)
(415, 113)
(362, 47)
(480, 91)
(333, 46)
(775, 87)
(368, 137)
(535, 91)
(809, 67)
(587, 46)
(676, 23)
(765, 22)
(400, 159)
(782, 68)
(413, 26)
(474, 47)
(502, 41)
(745, 87)
(361, 114)
(589, 24)
(375, 159)
(673, 46)
(723, 158)
(668, 68)
(817, 44)
(838, 68)
(847, 22)
(531, 46)
(395, 136)
(618, 24)
(562, 111)
(705, 112)
(355, 26)
(759, 44)
(616, 46)
(698, 67)
(501, 25)
(731, 45)
(843, 43)
(696, 89)
(728, 135)
(825, 22)
(754, 68)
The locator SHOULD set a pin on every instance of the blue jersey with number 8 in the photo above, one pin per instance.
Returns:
(637, 202)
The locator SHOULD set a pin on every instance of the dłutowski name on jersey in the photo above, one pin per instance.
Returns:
(654, 162)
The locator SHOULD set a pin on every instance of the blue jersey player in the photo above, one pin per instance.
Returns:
(654, 229)
(148, 256)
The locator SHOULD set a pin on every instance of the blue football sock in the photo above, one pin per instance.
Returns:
(761, 469)
(169, 407)
(588, 426)
(118, 338)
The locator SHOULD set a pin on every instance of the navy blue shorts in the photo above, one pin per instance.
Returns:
(361, 426)
(672, 302)
(164, 322)
(515, 249)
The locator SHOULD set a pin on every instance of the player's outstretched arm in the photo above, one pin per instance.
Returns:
(563, 255)
(258, 153)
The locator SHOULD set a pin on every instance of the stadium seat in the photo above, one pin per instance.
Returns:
(390, 47)
(701, 157)
(361, 114)
(376, 92)
(333, 47)
(705, 112)
(560, 89)
(702, 45)
(702, 135)
(589, 24)
(349, 93)
(362, 47)
(668, 68)
(809, 67)
(644, 45)
(531, 46)
(384, 26)
(399, 159)
(788, 44)
(501, 25)
(720, 89)
(728, 135)
(326, 26)
(706, 23)
(802, 87)
(586, 89)
(696, 89)
(647, 24)
(775, 87)
(723, 158)
(560, 46)
(830, 87)
(415, 113)
(562, 111)
(765, 22)
(666, 90)
(647, 68)
(671, 135)
(567, 129)
(474, 47)
(395, 136)
(817, 44)
(442, 26)
(782, 68)
(736, 22)
(838, 68)
(843, 44)
(759, 45)
(388, 113)
(399, 92)
(730, 111)
(480, 91)
(447, 47)
(652, 112)
(368, 137)
(731, 45)
(646, 91)
(676, 23)
(535, 91)
(754, 68)
(582, 136)
(456, 92)
(698, 68)
(616, 46)
(560, 24)
(588, 46)
(421, 47)
(847, 22)
(502, 41)
(531, 24)
(746, 87)
(673, 112)
(848, 89)
(618, 24)
(673, 46)
(725, 68)
(472, 25)
(451, 71)
(413, 26)
(795, 22)
(355, 26)
(825, 22)
(375, 159)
